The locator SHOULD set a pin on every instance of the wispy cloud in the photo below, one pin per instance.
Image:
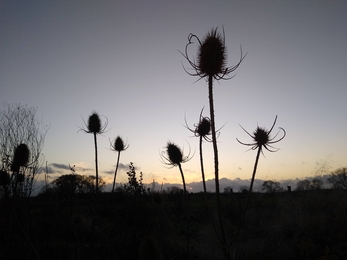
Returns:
(121, 167)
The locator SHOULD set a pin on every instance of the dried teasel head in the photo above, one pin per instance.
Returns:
(21, 155)
(94, 124)
(173, 155)
(119, 145)
(203, 128)
(211, 56)
(262, 138)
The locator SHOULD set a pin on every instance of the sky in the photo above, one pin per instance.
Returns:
(122, 59)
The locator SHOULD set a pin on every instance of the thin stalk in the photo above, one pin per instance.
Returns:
(249, 193)
(252, 181)
(186, 204)
(115, 172)
(96, 164)
(216, 162)
(202, 164)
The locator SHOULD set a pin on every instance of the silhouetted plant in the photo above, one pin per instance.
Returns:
(338, 178)
(271, 186)
(211, 64)
(262, 139)
(19, 125)
(203, 131)
(173, 156)
(95, 127)
(134, 185)
(118, 146)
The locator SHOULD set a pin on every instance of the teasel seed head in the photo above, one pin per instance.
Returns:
(21, 155)
(94, 123)
(173, 155)
(262, 139)
(211, 60)
(204, 127)
(119, 145)
(211, 56)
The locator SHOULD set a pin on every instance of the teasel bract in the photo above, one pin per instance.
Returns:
(211, 64)
(119, 146)
(95, 127)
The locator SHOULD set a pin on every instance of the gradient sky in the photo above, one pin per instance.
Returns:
(122, 59)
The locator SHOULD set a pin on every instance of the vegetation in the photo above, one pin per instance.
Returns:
(338, 178)
(296, 225)
(65, 222)
(22, 137)
(134, 186)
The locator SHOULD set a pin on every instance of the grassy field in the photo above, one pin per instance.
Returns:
(295, 225)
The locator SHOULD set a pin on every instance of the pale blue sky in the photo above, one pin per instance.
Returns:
(121, 58)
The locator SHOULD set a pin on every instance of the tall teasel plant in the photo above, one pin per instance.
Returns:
(262, 140)
(173, 156)
(95, 127)
(211, 64)
(203, 131)
(119, 146)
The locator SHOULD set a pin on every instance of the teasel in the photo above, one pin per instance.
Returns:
(119, 146)
(262, 139)
(173, 156)
(20, 158)
(211, 64)
(203, 131)
(95, 127)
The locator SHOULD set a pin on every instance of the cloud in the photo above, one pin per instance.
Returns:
(60, 166)
(121, 167)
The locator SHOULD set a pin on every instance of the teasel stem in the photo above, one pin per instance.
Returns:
(216, 162)
(187, 208)
(96, 164)
(202, 164)
(115, 172)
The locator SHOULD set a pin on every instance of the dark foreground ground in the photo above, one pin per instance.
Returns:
(305, 225)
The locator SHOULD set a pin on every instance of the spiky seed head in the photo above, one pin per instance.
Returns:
(204, 127)
(119, 144)
(21, 155)
(94, 123)
(175, 154)
(211, 55)
(261, 136)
